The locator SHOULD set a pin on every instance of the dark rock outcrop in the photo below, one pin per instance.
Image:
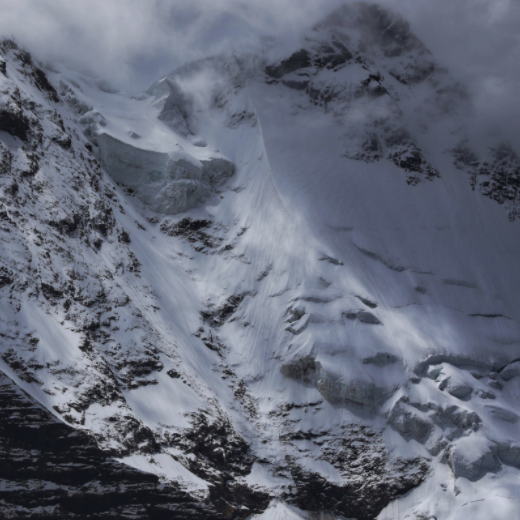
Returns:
(372, 478)
(50, 470)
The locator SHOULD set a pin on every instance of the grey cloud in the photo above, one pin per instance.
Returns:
(133, 42)
(479, 42)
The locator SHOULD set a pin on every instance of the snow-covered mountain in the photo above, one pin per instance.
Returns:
(283, 284)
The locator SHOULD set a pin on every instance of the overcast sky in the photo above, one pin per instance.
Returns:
(133, 42)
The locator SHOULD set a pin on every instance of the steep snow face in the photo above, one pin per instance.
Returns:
(285, 279)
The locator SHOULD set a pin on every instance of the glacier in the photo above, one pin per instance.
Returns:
(272, 286)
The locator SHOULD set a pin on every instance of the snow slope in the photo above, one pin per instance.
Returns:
(285, 279)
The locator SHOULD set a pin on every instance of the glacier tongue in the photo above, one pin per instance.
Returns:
(281, 285)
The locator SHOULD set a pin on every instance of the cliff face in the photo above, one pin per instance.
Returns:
(281, 284)
(51, 470)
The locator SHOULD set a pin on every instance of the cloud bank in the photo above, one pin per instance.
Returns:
(134, 42)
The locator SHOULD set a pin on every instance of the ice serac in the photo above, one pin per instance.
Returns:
(360, 386)
(281, 285)
(168, 183)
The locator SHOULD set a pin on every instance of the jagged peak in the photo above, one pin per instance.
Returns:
(373, 26)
